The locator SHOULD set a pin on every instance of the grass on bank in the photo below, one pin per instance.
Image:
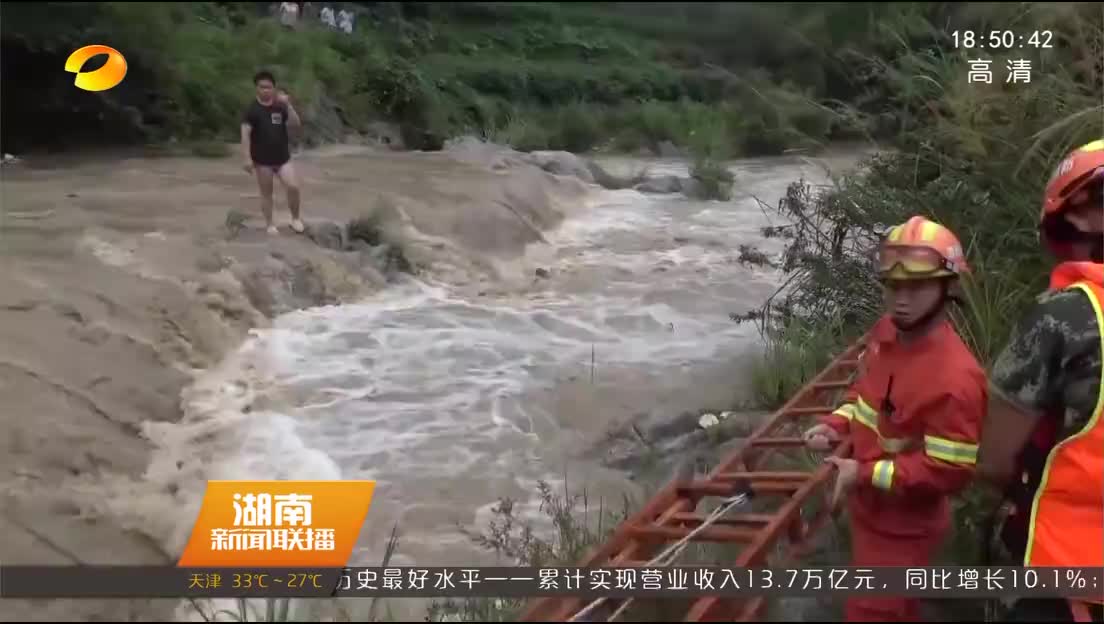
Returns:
(577, 83)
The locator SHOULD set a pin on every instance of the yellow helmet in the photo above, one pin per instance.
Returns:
(921, 249)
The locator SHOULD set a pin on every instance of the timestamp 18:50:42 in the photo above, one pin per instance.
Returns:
(1002, 39)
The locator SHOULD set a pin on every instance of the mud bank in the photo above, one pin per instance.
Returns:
(124, 280)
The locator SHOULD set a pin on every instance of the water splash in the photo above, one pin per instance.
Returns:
(451, 400)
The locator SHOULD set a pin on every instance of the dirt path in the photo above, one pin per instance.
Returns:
(120, 280)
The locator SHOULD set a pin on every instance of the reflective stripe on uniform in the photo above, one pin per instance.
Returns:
(882, 477)
(868, 416)
(896, 445)
(846, 411)
(950, 451)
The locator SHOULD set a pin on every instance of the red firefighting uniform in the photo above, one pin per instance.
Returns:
(914, 416)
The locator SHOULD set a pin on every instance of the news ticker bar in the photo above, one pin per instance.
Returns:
(504, 582)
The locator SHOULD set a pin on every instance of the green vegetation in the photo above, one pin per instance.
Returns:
(751, 78)
(972, 156)
(577, 526)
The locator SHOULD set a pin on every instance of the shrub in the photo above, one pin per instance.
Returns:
(714, 179)
(575, 527)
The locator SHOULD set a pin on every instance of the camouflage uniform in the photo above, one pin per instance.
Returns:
(1051, 368)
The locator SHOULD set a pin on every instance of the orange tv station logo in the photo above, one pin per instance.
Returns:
(102, 79)
(278, 524)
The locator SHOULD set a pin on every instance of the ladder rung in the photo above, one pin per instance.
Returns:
(711, 488)
(772, 442)
(831, 385)
(744, 519)
(810, 411)
(708, 534)
(776, 487)
(715, 488)
(769, 476)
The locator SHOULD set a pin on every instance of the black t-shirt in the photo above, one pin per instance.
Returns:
(268, 142)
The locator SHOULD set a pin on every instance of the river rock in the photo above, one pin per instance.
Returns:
(608, 180)
(385, 134)
(389, 260)
(707, 421)
(321, 121)
(359, 245)
(562, 163)
(692, 188)
(474, 151)
(667, 149)
(308, 288)
(283, 283)
(661, 184)
(327, 234)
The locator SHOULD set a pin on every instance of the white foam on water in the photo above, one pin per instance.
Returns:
(450, 402)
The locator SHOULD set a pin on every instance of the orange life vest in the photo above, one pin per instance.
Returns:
(1067, 514)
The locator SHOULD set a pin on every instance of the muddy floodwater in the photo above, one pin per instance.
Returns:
(450, 393)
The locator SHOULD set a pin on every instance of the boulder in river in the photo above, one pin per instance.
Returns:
(608, 180)
(326, 234)
(661, 184)
(693, 188)
(690, 187)
(667, 149)
(561, 163)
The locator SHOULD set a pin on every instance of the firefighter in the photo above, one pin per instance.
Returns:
(913, 416)
(1044, 434)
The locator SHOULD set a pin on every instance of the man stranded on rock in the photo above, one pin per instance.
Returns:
(913, 415)
(266, 146)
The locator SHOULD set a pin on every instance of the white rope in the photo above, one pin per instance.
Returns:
(668, 555)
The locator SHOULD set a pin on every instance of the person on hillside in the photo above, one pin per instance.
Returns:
(913, 415)
(1044, 434)
(266, 148)
(345, 21)
(327, 17)
(289, 14)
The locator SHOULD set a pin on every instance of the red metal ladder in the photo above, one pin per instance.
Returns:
(670, 515)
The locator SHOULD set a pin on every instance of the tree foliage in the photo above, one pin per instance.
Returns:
(440, 69)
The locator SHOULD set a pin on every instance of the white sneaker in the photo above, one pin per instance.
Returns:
(298, 226)
(272, 230)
